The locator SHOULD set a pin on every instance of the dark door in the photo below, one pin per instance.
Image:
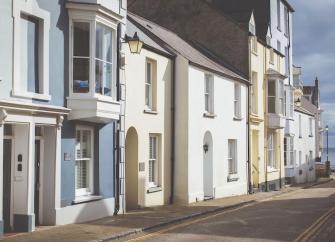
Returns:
(37, 181)
(7, 160)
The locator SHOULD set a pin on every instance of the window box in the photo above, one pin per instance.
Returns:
(150, 112)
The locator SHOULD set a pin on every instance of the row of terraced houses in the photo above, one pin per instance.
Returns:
(108, 106)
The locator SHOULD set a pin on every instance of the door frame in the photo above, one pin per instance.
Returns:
(11, 214)
(40, 199)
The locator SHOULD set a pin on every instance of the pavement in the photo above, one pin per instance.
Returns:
(136, 223)
(301, 215)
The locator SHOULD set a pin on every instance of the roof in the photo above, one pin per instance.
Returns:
(308, 90)
(200, 22)
(306, 107)
(148, 42)
(180, 47)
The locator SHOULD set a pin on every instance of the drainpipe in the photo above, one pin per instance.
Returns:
(265, 80)
(249, 186)
(173, 131)
(117, 126)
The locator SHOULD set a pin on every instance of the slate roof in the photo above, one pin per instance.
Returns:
(203, 25)
(306, 107)
(131, 29)
(181, 47)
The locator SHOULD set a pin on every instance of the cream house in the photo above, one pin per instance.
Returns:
(148, 123)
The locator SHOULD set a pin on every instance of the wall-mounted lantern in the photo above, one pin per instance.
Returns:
(135, 44)
(206, 148)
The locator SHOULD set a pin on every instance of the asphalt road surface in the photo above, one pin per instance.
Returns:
(302, 215)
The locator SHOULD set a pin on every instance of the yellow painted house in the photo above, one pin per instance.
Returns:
(267, 74)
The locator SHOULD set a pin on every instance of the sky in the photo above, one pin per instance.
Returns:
(314, 50)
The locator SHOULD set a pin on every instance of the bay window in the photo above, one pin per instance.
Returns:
(93, 55)
(84, 161)
(276, 97)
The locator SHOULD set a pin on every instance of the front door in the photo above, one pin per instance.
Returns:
(37, 180)
(7, 159)
(255, 159)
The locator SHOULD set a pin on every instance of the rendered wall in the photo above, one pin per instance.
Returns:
(146, 123)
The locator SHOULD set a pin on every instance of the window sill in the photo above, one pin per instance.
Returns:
(154, 189)
(88, 96)
(37, 96)
(232, 177)
(237, 119)
(85, 199)
(272, 170)
(148, 111)
(254, 52)
(209, 115)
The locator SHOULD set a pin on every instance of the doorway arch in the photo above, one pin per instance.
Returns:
(131, 169)
(208, 166)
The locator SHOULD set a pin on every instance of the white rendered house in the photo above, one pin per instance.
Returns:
(210, 139)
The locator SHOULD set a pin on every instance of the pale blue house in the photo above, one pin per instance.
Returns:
(61, 111)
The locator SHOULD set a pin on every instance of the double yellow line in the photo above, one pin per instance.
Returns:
(311, 230)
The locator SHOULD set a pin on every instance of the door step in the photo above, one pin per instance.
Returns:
(206, 198)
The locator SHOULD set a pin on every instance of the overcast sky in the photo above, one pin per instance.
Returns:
(314, 50)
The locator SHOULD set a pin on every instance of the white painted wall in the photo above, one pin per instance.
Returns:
(222, 128)
(304, 144)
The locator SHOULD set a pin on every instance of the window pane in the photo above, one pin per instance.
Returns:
(81, 39)
(103, 78)
(104, 36)
(81, 174)
(29, 53)
(81, 72)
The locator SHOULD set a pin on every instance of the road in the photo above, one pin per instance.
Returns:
(302, 215)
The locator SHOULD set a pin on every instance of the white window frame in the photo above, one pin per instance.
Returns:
(291, 103)
(279, 15)
(151, 106)
(90, 189)
(254, 45)
(254, 92)
(271, 151)
(93, 19)
(300, 128)
(289, 151)
(310, 120)
(286, 21)
(272, 56)
(237, 101)
(31, 8)
(279, 96)
(209, 93)
(232, 158)
(153, 179)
